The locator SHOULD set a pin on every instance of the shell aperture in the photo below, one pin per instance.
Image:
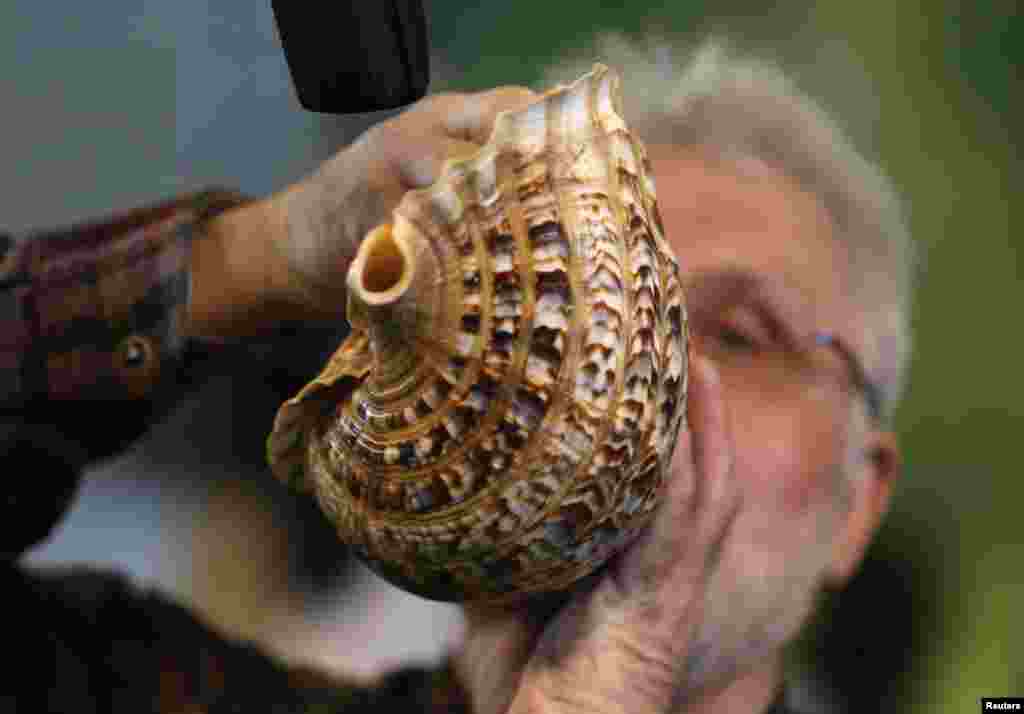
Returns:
(501, 419)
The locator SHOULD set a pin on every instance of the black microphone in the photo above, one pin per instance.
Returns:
(349, 56)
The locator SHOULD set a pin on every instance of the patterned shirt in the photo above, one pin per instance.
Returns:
(92, 353)
(92, 311)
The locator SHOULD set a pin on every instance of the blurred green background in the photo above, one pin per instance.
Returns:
(945, 577)
(117, 104)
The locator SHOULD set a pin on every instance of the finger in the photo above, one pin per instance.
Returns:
(712, 445)
(717, 498)
(472, 118)
(423, 168)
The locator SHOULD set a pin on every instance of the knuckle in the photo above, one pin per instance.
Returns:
(440, 100)
(513, 91)
(721, 517)
(682, 488)
(724, 501)
(512, 96)
(734, 505)
(385, 134)
(398, 140)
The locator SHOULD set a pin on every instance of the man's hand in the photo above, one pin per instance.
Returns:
(286, 257)
(329, 213)
(620, 641)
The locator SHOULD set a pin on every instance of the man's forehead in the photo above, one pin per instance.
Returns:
(741, 195)
(740, 281)
(726, 286)
(738, 219)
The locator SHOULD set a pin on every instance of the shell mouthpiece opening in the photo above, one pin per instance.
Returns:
(384, 264)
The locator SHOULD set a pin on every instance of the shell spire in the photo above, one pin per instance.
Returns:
(394, 287)
(502, 416)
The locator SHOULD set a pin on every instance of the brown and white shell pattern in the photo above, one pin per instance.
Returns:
(501, 419)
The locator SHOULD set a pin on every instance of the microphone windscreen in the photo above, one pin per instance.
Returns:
(353, 56)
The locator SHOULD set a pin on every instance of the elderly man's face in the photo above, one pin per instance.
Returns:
(764, 274)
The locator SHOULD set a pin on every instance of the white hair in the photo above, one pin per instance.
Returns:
(745, 107)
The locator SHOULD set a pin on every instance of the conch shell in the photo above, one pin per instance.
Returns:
(501, 418)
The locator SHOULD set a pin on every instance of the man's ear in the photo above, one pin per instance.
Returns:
(870, 489)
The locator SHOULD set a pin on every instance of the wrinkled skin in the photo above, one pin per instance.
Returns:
(330, 212)
(693, 615)
(284, 258)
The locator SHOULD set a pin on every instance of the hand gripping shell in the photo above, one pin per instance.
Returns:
(501, 419)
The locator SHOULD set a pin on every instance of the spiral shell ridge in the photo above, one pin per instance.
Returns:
(505, 424)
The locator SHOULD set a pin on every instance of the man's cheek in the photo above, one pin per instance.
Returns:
(781, 471)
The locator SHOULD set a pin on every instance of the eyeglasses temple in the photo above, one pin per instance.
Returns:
(872, 392)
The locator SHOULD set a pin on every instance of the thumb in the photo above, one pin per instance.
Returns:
(424, 168)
